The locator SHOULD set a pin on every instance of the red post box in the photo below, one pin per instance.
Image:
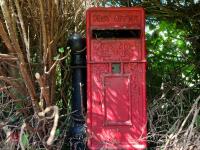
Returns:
(116, 80)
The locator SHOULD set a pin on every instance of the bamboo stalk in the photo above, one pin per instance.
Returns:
(5, 38)
(24, 35)
(43, 34)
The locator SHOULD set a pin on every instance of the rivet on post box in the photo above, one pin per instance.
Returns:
(116, 78)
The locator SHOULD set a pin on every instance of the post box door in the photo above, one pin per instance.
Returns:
(116, 115)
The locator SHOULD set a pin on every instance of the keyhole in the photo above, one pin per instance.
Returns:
(116, 68)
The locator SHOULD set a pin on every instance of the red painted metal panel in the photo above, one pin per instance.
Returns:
(115, 50)
(117, 97)
(116, 80)
(116, 17)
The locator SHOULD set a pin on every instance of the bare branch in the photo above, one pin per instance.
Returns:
(30, 87)
(6, 57)
(44, 32)
(44, 88)
(54, 65)
(12, 82)
(25, 37)
(55, 124)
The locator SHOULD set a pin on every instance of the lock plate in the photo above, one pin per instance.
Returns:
(116, 68)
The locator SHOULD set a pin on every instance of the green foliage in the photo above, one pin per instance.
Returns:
(166, 46)
(61, 50)
(58, 132)
(169, 55)
(25, 140)
(63, 80)
(197, 122)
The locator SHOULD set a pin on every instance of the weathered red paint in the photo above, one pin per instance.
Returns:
(116, 114)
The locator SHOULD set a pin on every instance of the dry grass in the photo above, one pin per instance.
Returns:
(174, 120)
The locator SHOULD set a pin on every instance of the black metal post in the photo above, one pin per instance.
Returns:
(78, 103)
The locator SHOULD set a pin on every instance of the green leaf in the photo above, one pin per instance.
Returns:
(25, 139)
(181, 44)
(197, 122)
(61, 50)
(57, 132)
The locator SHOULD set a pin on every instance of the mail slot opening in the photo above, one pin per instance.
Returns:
(116, 33)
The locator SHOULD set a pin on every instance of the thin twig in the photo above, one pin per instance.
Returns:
(6, 57)
(54, 65)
